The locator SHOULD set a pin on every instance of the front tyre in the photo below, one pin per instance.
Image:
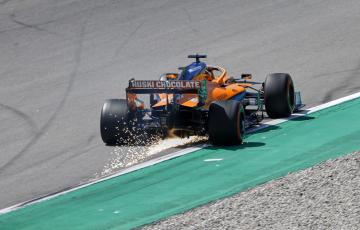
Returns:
(279, 95)
(115, 122)
(226, 124)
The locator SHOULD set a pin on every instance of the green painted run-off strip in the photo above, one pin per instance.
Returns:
(182, 183)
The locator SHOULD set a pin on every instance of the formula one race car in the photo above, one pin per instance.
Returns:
(200, 100)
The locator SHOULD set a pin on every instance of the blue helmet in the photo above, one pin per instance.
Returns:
(192, 70)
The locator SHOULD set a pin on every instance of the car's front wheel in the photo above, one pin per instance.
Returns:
(279, 95)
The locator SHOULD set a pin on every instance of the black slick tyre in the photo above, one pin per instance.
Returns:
(279, 95)
(226, 124)
(114, 122)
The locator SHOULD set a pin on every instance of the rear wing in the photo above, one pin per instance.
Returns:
(169, 87)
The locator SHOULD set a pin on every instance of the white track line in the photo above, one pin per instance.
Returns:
(177, 154)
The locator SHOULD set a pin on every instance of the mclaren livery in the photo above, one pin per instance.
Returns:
(200, 100)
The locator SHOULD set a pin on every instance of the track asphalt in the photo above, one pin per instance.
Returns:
(185, 182)
(60, 60)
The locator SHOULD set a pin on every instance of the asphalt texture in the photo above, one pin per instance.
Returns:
(59, 61)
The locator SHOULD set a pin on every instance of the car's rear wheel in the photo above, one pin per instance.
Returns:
(115, 123)
(226, 124)
(279, 95)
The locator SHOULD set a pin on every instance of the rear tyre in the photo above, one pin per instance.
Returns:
(115, 122)
(279, 95)
(226, 124)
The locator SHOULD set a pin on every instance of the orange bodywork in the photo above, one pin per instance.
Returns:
(217, 89)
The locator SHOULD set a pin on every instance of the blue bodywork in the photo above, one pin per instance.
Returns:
(239, 97)
(192, 70)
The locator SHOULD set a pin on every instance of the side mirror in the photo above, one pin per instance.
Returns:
(171, 76)
(246, 76)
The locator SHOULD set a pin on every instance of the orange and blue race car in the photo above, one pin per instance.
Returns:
(200, 100)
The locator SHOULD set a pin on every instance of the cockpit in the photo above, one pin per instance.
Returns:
(198, 71)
